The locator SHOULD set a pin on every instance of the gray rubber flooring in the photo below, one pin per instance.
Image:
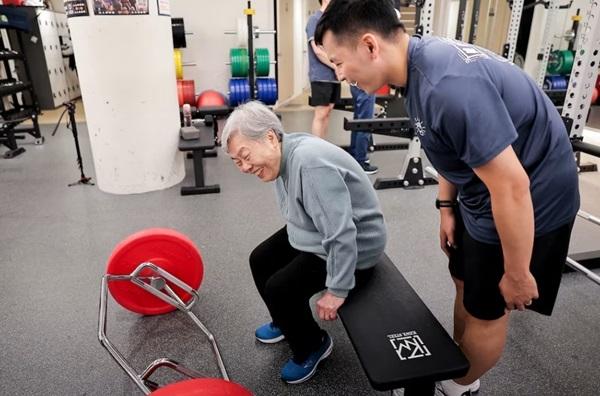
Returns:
(55, 241)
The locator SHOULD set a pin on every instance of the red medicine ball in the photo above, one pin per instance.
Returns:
(211, 98)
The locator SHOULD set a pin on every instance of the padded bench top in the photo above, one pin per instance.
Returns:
(199, 112)
(206, 141)
(397, 339)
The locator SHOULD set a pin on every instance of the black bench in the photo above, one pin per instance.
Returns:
(399, 342)
(197, 147)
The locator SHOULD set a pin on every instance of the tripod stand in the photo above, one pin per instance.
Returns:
(70, 108)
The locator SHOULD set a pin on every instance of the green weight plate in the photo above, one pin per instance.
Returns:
(261, 56)
(239, 62)
(560, 62)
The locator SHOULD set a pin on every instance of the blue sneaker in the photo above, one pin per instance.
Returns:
(269, 334)
(295, 373)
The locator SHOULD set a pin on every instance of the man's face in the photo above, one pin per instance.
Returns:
(261, 158)
(355, 64)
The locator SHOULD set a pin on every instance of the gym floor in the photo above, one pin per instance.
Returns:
(55, 240)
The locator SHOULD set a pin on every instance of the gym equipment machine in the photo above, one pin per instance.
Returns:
(411, 174)
(21, 102)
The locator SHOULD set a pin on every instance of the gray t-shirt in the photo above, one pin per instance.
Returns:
(317, 71)
(330, 207)
(467, 105)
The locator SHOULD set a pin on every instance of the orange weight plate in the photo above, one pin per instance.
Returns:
(169, 250)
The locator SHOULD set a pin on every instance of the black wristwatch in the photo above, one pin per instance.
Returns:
(445, 203)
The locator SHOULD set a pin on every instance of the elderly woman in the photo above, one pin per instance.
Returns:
(334, 233)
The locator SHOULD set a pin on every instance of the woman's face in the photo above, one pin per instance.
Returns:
(261, 158)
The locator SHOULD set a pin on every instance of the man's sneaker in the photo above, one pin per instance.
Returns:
(451, 388)
(368, 168)
(295, 373)
(269, 334)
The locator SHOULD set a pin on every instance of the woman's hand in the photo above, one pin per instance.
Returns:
(328, 305)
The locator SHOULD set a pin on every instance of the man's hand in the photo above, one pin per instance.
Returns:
(328, 305)
(519, 290)
(447, 228)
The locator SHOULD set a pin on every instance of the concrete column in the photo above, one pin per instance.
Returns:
(127, 78)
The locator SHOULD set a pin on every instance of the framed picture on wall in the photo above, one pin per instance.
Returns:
(164, 7)
(75, 8)
(121, 7)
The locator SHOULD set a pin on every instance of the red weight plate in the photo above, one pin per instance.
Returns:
(203, 387)
(189, 92)
(180, 92)
(168, 249)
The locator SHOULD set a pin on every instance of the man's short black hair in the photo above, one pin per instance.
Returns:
(349, 18)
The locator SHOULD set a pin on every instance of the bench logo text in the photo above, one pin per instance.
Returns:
(408, 345)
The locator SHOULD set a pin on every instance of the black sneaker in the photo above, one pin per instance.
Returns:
(369, 169)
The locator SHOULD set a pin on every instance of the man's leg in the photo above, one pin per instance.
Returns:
(362, 147)
(482, 343)
(483, 307)
(364, 105)
(460, 314)
(321, 120)
(483, 340)
(352, 149)
(480, 323)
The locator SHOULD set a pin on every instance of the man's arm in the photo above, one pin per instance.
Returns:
(512, 209)
(322, 56)
(446, 192)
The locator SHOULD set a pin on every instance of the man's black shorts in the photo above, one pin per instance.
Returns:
(324, 93)
(481, 267)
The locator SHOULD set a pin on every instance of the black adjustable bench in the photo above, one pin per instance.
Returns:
(399, 343)
(197, 147)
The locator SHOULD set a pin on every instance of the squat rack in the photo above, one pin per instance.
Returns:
(577, 107)
(513, 30)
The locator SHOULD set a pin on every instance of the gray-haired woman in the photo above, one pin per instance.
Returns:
(334, 233)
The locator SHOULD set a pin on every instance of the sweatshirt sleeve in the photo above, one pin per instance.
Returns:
(327, 201)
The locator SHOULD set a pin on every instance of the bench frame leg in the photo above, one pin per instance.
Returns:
(423, 389)
(199, 188)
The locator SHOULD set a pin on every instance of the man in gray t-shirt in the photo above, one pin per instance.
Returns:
(324, 85)
(508, 189)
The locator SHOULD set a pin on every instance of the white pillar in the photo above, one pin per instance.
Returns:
(127, 78)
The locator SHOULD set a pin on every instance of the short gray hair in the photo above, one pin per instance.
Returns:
(253, 120)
